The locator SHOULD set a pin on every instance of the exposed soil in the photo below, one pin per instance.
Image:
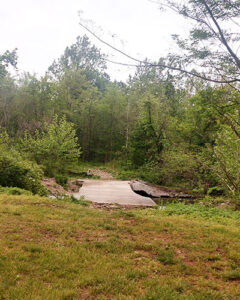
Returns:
(55, 189)
(74, 185)
(114, 206)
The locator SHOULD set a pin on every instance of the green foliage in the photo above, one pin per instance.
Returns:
(81, 55)
(61, 179)
(85, 57)
(14, 191)
(4, 140)
(80, 201)
(18, 172)
(15, 171)
(212, 42)
(72, 199)
(139, 145)
(179, 165)
(56, 147)
(159, 128)
(155, 105)
(6, 59)
(147, 172)
(227, 153)
(215, 191)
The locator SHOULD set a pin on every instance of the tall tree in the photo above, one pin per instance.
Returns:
(82, 55)
(8, 58)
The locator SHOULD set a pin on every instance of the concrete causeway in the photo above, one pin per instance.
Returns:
(111, 191)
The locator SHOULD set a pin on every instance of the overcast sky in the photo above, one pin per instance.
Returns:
(41, 29)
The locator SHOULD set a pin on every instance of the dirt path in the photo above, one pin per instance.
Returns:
(111, 191)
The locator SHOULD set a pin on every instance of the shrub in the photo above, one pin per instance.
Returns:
(227, 154)
(55, 147)
(17, 172)
(61, 179)
(215, 191)
(14, 191)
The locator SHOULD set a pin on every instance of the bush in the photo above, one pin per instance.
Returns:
(14, 191)
(61, 179)
(17, 172)
(215, 191)
(227, 153)
(55, 147)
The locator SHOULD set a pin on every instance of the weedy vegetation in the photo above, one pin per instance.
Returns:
(52, 249)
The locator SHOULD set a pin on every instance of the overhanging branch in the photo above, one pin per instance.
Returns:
(148, 64)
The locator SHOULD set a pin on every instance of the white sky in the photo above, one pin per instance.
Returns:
(41, 29)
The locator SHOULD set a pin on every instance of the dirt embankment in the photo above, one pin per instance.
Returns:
(56, 190)
(73, 186)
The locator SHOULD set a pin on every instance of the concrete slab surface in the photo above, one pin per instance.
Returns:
(112, 191)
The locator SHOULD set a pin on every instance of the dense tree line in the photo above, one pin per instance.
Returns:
(164, 128)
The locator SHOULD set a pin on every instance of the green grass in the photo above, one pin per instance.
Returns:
(51, 249)
(217, 214)
(85, 166)
(77, 171)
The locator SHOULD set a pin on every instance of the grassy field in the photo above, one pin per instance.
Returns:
(53, 249)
